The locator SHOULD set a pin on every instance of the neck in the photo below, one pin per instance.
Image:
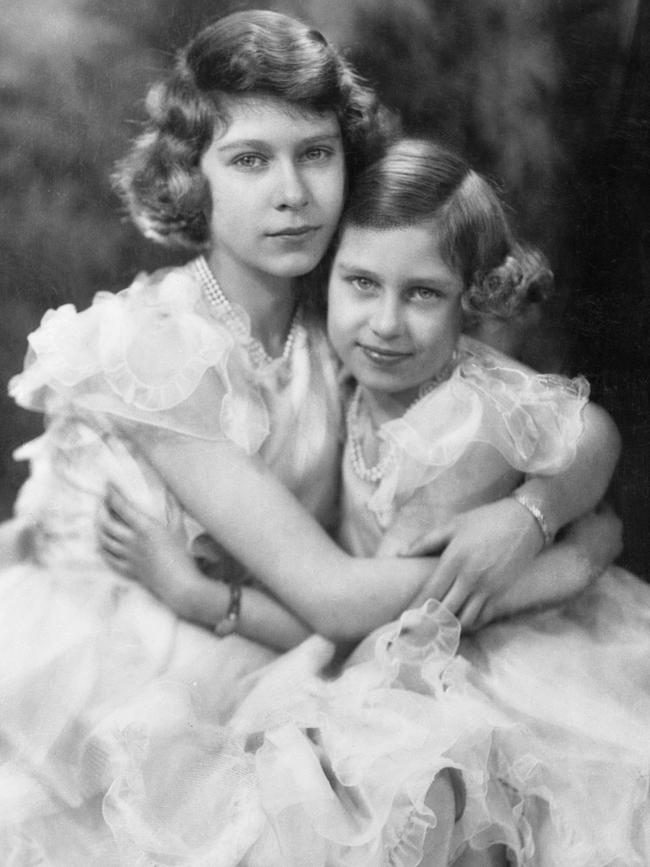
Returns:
(381, 406)
(269, 301)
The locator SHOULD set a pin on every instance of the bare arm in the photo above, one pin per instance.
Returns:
(145, 550)
(485, 552)
(239, 501)
(568, 495)
(558, 573)
(565, 569)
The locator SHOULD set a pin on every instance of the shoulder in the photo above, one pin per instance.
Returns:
(156, 327)
(150, 300)
(534, 420)
(482, 364)
(151, 354)
(175, 289)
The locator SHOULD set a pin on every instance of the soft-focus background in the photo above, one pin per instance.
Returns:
(548, 97)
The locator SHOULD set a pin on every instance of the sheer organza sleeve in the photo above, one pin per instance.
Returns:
(534, 420)
(151, 355)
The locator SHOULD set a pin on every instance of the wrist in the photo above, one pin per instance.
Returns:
(549, 498)
(229, 621)
(198, 596)
(537, 514)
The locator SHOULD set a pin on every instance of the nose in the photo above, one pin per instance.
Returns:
(291, 189)
(386, 320)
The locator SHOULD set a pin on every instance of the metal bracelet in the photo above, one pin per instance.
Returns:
(228, 624)
(537, 514)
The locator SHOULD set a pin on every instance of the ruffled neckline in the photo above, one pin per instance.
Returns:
(534, 420)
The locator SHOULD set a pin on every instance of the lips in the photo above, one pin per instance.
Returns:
(292, 231)
(381, 355)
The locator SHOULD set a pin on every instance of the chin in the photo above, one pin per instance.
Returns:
(296, 268)
(297, 263)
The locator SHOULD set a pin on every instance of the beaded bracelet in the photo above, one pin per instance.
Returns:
(228, 624)
(537, 514)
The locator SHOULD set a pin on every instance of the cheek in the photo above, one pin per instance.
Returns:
(435, 337)
(331, 192)
(339, 319)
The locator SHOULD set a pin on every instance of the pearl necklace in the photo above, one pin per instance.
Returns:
(377, 472)
(215, 297)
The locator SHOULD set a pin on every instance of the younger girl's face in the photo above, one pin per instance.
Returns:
(394, 308)
(277, 178)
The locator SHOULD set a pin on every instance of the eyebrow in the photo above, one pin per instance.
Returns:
(263, 143)
(357, 269)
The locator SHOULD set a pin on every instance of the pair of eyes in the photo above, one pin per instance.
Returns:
(252, 160)
(367, 286)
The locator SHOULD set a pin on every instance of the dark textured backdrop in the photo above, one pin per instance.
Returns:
(549, 97)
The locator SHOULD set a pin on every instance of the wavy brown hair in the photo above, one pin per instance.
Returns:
(416, 181)
(247, 53)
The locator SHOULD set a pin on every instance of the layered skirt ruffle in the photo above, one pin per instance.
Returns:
(128, 738)
(317, 770)
(541, 723)
(80, 648)
(577, 680)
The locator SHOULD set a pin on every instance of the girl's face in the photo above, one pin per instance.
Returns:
(277, 179)
(394, 308)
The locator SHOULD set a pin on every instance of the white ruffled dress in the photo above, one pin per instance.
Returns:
(571, 754)
(79, 645)
(544, 717)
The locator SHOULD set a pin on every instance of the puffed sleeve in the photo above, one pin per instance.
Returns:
(148, 355)
(534, 420)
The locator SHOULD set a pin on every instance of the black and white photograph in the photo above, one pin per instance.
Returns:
(324, 433)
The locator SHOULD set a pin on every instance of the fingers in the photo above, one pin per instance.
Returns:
(431, 543)
(453, 582)
(114, 539)
(489, 612)
(456, 597)
(123, 507)
(109, 524)
(117, 564)
(470, 613)
(111, 547)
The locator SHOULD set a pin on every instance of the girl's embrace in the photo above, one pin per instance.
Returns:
(207, 400)
(425, 749)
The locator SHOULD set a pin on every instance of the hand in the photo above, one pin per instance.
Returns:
(483, 550)
(143, 549)
(563, 571)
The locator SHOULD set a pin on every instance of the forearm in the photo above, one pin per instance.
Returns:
(205, 601)
(568, 495)
(555, 575)
(566, 568)
(241, 504)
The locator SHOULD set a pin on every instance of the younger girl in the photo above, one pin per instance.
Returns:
(437, 424)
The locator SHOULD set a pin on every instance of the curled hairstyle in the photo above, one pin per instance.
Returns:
(417, 181)
(246, 53)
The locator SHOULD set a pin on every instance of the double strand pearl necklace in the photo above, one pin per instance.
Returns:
(214, 294)
(377, 472)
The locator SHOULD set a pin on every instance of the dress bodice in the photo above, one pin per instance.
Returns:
(464, 444)
(159, 355)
